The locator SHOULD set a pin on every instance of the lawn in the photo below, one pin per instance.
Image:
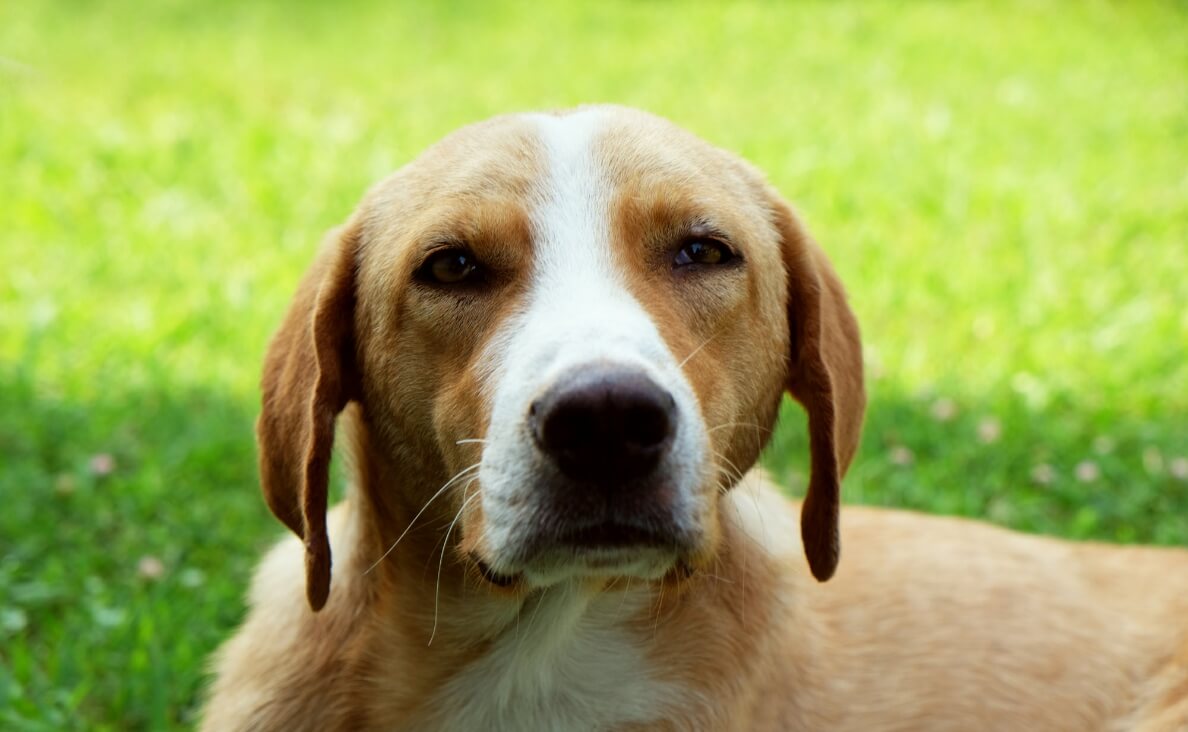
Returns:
(1003, 186)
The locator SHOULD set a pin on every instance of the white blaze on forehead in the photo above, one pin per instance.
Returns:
(578, 311)
(578, 306)
(579, 290)
(573, 196)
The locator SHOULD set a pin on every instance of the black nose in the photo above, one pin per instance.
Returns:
(604, 424)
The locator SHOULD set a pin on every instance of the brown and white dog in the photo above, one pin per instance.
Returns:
(556, 342)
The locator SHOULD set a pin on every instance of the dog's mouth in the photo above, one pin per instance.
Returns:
(493, 577)
(603, 549)
(681, 571)
(612, 535)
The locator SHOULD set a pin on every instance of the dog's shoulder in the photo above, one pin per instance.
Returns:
(263, 675)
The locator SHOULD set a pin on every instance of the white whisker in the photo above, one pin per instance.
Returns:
(759, 511)
(531, 619)
(752, 425)
(432, 498)
(659, 612)
(623, 599)
(736, 474)
(445, 544)
(695, 350)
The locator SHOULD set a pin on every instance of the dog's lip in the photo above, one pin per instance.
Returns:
(490, 575)
(599, 547)
(612, 535)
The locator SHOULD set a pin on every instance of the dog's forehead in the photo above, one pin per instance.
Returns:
(625, 144)
(515, 157)
(595, 178)
(498, 157)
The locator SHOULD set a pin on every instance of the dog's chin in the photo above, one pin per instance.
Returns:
(557, 565)
(563, 564)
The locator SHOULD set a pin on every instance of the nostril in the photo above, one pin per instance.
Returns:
(569, 426)
(645, 425)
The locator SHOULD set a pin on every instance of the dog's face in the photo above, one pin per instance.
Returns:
(583, 324)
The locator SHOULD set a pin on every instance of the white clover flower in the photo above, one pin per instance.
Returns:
(1043, 474)
(944, 409)
(989, 430)
(1087, 471)
(900, 455)
(150, 568)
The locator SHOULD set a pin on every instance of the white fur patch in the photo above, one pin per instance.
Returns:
(578, 312)
(567, 664)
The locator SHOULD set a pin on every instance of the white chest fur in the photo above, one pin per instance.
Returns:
(570, 663)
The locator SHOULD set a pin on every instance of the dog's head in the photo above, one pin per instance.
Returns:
(581, 326)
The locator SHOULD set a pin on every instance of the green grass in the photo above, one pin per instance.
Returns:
(1003, 186)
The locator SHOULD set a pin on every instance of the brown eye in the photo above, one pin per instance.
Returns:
(703, 251)
(448, 267)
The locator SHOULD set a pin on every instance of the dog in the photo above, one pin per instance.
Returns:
(555, 344)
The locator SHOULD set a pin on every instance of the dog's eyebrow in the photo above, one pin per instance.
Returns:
(704, 228)
(433, 242)
(489, 221)
(687, 214)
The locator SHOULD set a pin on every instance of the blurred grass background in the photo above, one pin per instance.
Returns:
(1002, 185)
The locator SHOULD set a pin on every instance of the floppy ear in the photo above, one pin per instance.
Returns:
(309, 376)
(825, 376)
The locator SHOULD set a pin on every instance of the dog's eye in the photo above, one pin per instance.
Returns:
(449, 267)
(703, 251)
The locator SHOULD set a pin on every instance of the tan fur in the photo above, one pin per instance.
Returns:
(928, 623)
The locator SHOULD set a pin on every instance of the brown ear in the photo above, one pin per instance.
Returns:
(825, 376)
(309, 376)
